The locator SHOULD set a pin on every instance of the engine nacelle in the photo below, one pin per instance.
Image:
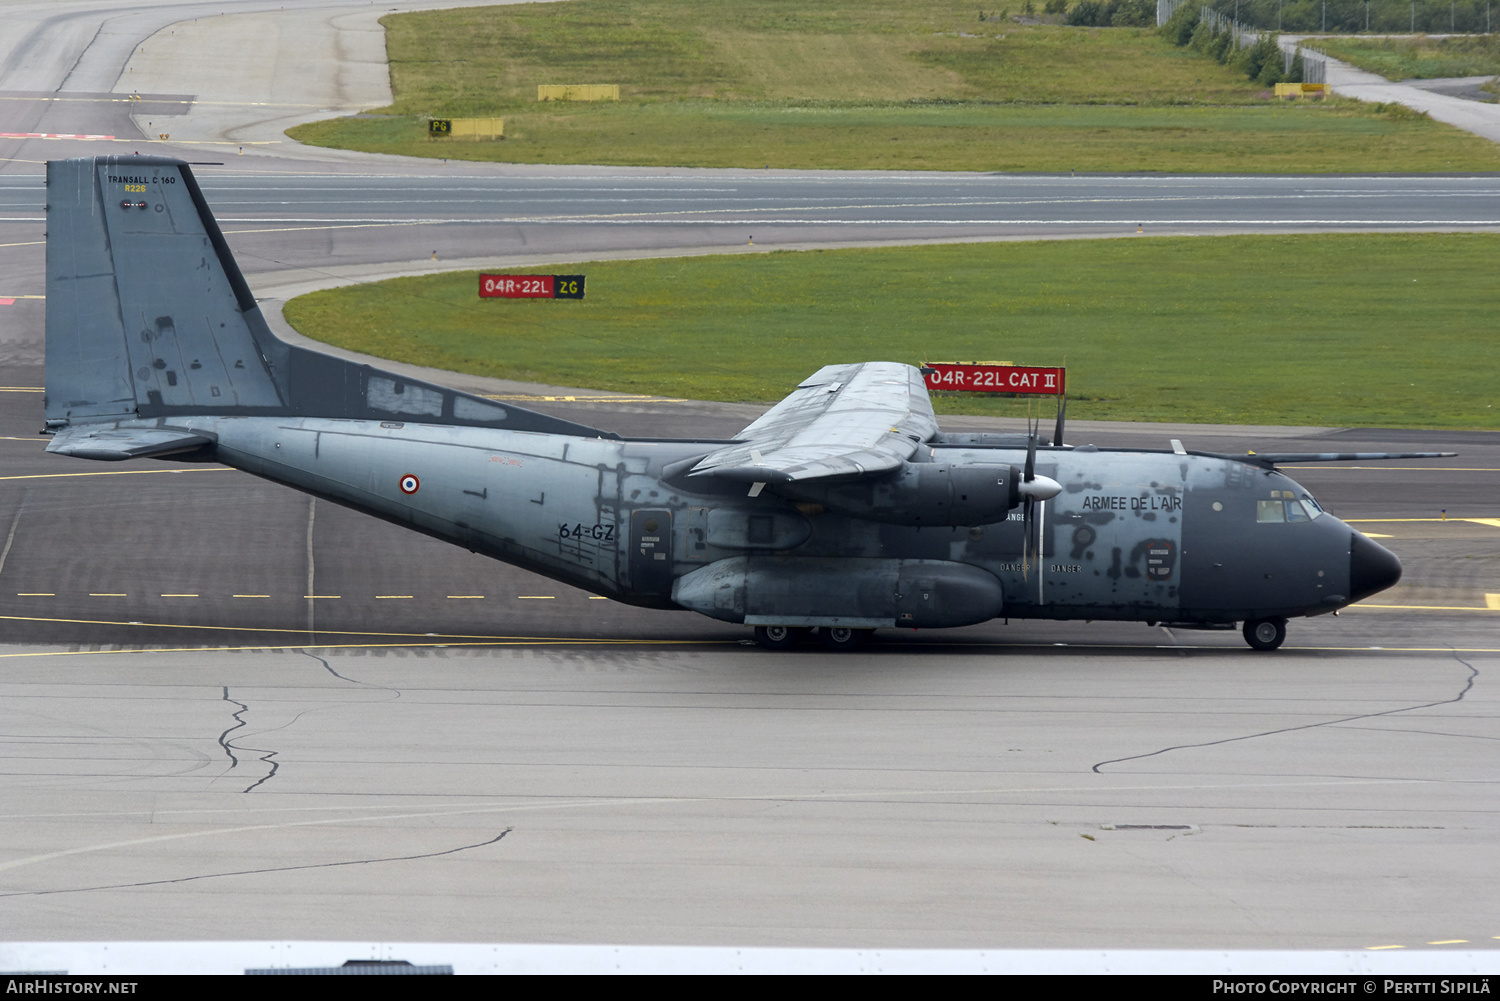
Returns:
(920, 493)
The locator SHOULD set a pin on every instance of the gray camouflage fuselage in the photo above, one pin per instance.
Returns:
(1133, 535)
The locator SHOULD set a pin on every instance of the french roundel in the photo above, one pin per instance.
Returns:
(410, 484)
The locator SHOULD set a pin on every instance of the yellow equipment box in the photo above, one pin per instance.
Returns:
(578, 92)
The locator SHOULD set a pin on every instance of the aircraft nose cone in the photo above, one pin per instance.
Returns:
(1372, 567)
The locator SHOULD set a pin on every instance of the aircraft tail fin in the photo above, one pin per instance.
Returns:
(148, 316)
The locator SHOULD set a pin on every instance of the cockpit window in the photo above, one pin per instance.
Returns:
(1285, 508)
(1270, 511)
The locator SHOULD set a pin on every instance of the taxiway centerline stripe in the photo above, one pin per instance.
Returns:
(422, 639)
(1493, 523)
(273, 648)
(1423, 608)
(116, 472)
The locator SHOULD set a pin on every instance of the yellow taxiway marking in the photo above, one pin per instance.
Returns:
(1492, 601)
(600, 597)
(1491, 522)
(36, 594)
(107, 594)
(179, 596)
(252, 595)
(1431, 608)
(536, 597)
(418, 639)
(29, 243)
(116, 472)
(22, 389)
(4, 296)
(322, 596)
(464, 597)
(393, 596)
(1450, 941)
(1373, 948)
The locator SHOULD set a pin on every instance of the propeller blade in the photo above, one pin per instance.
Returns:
(1030, 473)
(1026, 510)
(1062, 413)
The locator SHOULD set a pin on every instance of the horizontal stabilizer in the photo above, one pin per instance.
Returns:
(111, 443)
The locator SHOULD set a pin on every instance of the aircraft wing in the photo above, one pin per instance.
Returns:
(110, 442)
(846, 420)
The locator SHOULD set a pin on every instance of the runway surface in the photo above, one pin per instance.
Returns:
(230, 712)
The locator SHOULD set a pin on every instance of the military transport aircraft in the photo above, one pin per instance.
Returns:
(843, 510)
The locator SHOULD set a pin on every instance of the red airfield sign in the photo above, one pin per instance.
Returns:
(984, 377)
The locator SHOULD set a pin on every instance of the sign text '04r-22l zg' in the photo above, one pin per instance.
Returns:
(530, 286)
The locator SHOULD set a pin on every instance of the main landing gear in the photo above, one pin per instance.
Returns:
(1265, 634)
(839, 639)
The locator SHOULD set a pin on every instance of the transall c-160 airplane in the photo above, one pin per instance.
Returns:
(844, 509)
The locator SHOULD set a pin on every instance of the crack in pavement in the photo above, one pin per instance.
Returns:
(229, 747)
(1469, 684)
(254, 872)
(353, 681)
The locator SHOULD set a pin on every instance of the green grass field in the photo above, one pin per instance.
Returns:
(888, 84)
(1383, 330)
(1417, 57)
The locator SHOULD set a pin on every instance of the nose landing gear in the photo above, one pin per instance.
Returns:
(1265, 634)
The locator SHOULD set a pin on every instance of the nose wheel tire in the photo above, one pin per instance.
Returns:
(1265, 634)
(776, 637)
(841, 639)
